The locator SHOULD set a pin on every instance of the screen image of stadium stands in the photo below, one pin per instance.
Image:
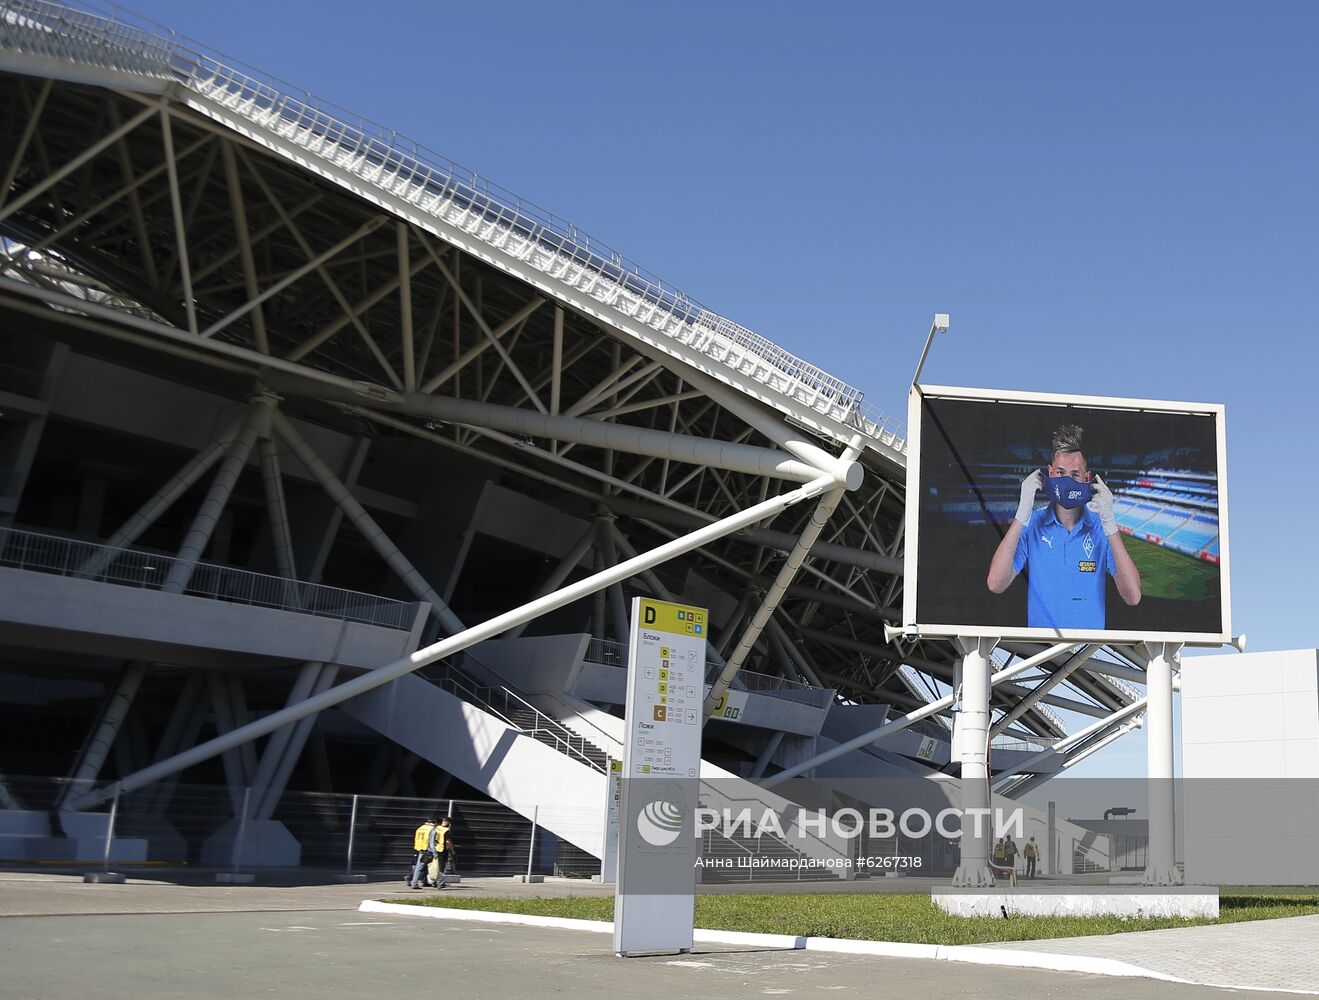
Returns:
(1161, 467)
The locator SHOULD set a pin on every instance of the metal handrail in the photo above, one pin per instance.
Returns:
(437, 185)
(447, 675)
(30, 550)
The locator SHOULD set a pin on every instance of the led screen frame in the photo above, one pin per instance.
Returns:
(1188, 601)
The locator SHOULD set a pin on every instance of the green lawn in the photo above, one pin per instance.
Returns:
(888, 917)
(1165, 573)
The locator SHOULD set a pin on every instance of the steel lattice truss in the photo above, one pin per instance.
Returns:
(136, 225)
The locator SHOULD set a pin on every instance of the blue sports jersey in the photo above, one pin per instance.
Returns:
(1066, 577)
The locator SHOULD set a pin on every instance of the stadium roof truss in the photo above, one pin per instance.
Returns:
(274, 249)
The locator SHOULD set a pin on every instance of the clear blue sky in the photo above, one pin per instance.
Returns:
(1117, 199)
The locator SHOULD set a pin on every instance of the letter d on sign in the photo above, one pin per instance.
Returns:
(649, 616)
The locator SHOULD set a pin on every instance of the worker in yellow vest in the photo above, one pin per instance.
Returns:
(423, 842)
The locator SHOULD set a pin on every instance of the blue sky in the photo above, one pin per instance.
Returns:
(1115, 199)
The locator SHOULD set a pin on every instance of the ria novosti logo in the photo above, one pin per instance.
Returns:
(660, 822)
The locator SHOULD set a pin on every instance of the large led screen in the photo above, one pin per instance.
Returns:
(1033, 515)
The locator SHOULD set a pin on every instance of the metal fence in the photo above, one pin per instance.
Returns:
(438, 185)
(133, 568)
(216, 829)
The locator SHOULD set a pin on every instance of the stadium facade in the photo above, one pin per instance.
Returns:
(285, 398)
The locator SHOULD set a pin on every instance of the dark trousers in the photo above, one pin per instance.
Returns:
(1030, 867)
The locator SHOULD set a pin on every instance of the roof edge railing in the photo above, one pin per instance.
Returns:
(119, 39)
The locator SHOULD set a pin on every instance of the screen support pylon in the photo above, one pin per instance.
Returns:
(971, 738)
(1161, 864)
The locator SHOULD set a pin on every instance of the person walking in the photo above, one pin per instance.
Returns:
(1032, 854)
(423, 842)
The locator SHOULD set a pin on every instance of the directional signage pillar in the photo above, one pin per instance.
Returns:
(655, 899)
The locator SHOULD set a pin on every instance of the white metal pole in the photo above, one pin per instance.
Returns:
(531, 848)
(456, 643)
(1161, 863)
(242, 830)
(352, 830)
(109, 832)
(787, 573)
(971, 740)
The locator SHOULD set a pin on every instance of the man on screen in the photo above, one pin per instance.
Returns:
(1069, 545)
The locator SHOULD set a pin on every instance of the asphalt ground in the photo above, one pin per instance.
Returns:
(329, 955)
(149, 939)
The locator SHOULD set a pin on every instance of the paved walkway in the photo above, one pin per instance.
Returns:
(1255, 954)
(1258, 955)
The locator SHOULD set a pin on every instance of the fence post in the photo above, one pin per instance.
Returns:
(105, 874)
(352, 831)
(531, 848)
(348, 875)
(109, 832)
(235, 876)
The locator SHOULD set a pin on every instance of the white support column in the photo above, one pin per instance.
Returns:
(298, 733)
(277, 510)
(561, 572)
(971, 741)
(164, 498)
(235, 776)
(117, 704)
(617, 601)
(184, 708)
(365, 523)
(1161, 861)
(208, 514)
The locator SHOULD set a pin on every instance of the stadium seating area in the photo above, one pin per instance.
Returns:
(1177, 509)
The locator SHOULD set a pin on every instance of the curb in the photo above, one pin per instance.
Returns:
(971, 954)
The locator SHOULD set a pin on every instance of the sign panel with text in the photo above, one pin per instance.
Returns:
(654, 899)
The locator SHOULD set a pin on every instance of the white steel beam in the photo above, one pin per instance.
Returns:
(365, 229)
(50, 180)
(405, 309)
(897, 725)
(20, 151)
(213, 504)
(751, 635)
(365, 523)
(454, 644)
(238, 207)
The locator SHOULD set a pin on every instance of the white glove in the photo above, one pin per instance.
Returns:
(1102, 504)
(1031, 485)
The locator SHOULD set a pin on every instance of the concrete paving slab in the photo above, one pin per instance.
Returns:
(1257, 954)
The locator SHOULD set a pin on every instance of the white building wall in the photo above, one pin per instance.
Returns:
(1250, 764)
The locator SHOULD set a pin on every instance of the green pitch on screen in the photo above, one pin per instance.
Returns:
(1164, 573)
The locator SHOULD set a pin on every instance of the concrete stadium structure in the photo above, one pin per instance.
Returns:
(324, 463)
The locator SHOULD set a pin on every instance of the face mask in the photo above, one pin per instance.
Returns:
(1067, 493)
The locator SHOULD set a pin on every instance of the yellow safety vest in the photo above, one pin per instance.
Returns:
(421, 840)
